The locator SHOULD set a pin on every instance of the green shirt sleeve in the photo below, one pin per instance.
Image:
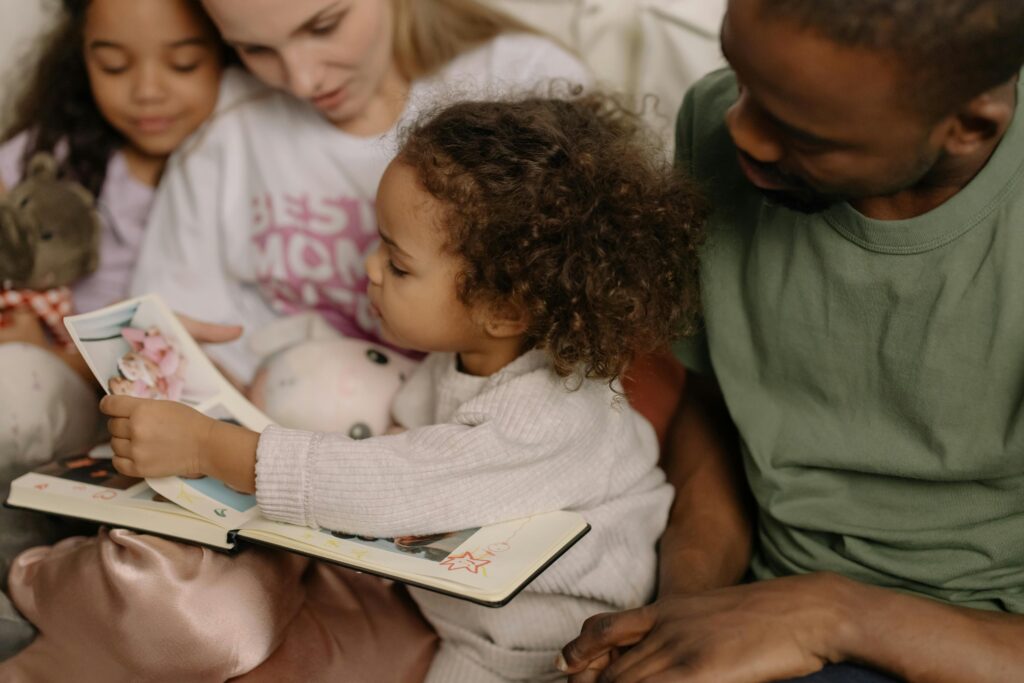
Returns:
(693, 353)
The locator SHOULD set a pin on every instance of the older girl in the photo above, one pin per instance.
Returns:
(119, 85)
(135, 79)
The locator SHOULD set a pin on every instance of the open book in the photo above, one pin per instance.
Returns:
(140, 347)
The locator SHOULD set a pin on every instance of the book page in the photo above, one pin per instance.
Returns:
(485, 564)
(87, 486)
(139, 348)
(95, 479)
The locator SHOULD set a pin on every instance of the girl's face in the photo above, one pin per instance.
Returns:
(335, 54)
(412, 279)
(154, 68)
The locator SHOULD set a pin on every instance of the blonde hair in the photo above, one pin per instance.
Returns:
(431, 33)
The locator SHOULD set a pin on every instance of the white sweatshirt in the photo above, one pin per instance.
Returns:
(269, 209)
(481, 450)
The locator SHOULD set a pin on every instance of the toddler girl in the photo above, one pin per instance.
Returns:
(118, 86)
(531, 248)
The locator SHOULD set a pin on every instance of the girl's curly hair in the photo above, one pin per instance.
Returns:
(56, 104)
(567, 209)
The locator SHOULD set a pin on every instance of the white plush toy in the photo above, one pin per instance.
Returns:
(312, 378)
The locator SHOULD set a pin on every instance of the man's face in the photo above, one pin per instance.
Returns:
(818, 123)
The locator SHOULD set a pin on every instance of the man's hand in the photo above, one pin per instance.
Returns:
(157, 438)
(763, 631)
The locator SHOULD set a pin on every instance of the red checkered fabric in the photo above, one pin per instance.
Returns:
(50, 305)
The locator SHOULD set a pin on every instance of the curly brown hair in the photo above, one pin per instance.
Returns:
(566, 208)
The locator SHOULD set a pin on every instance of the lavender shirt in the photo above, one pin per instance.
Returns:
(124, 204)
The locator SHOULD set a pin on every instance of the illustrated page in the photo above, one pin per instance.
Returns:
(139, 348)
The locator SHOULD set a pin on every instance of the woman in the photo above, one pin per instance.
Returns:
(272, 212)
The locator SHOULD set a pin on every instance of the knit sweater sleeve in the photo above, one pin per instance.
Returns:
(521, 449)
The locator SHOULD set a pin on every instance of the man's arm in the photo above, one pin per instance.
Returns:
(927, 641)
(791, 627)
(708, 540)
(776, 629)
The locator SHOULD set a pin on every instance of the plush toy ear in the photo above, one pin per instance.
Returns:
(82, 194)
(16, 249)
(43, 166)
(289, 331)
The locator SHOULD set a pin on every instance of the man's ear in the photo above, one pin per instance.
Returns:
(984, 119)
(503, 321)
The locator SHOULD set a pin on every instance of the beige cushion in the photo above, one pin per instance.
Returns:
(678, 45)
(21, 21)
(638, 47)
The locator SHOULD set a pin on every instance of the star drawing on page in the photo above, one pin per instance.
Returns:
(465, 561)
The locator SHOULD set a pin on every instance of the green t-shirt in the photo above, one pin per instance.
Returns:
(874, 370)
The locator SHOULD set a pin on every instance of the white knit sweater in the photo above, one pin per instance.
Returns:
(481, 450)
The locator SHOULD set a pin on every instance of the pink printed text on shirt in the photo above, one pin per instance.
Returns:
(309, 253)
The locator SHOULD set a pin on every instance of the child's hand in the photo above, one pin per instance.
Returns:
(156, 438)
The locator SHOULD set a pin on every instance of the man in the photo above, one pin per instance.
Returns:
(863, 356)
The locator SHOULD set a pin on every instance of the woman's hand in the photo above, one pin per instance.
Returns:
(23, 325)
(210, 333)
(214, 333)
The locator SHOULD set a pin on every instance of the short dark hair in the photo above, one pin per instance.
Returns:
(953, 49)
(568, 209)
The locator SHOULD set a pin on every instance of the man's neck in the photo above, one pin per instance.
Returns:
(909, 203)
(946, 179)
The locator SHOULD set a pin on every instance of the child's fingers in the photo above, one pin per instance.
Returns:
(125, 466)
(122, 460)
(119, 427)
(122, 448)
(119, 406)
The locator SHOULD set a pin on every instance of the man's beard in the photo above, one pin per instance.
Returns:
(801, 197)
(802, 201)
(797, 195)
